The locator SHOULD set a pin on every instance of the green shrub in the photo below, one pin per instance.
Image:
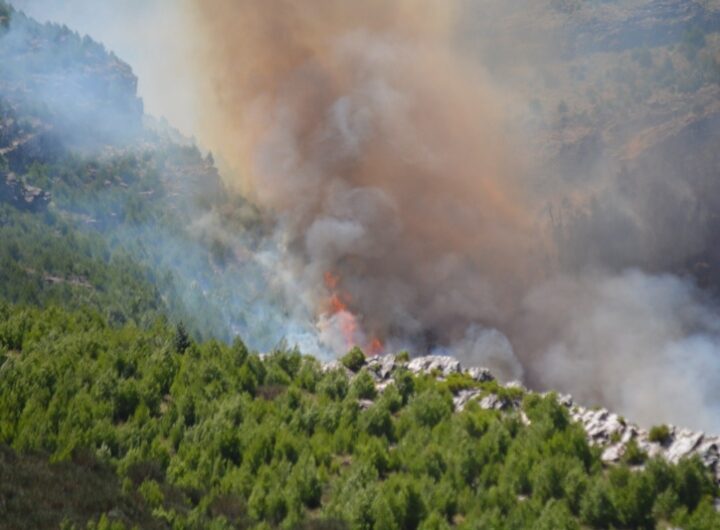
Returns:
(363, 386)
(430, 408)
(633, 455)
(334, 385)
(597, 508)
(659, 434)
(354, 359)
(403, 357)
(556, 516)
(152, 493)
(457, 382)
(405, 384)
(377, 421)
(435, 521)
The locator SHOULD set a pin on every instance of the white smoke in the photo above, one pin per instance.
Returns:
(646, 346)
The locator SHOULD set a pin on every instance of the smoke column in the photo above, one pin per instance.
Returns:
(388, 160)
(415, 210)
(411, 214)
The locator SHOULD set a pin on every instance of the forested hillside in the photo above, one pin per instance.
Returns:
(100, 211)
(129, 400)
(146, 427)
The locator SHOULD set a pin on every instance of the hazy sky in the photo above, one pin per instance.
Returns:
(148, 34)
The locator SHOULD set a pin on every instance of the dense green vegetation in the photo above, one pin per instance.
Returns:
(44, 261)
(205, 435)
(138, 222)
(122, 234)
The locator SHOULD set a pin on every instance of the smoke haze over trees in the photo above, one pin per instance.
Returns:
(394, 175)
(503, 182)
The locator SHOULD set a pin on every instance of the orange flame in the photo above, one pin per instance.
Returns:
(376, 347)
(338, 305)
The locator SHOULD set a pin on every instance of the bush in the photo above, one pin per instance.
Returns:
(374, 453)
(305, 481)
(151, 492)
(403, 357)
(434, 521)
(633, 455)
(377, 421)
(363, 386)
(659, 434)
(334, 385)
(556, 516)
(597, 508)
(457, 382)
(430, 408)
(405, 385)
(354, 359)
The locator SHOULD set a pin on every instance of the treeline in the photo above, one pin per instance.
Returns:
(208, 435)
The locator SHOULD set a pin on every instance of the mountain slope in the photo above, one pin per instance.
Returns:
(207, 435)
(114, 414)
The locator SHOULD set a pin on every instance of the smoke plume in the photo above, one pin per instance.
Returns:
(386, 157)
(414, 209)
(426, 199)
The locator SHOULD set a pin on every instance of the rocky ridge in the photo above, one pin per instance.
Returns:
(604, 429)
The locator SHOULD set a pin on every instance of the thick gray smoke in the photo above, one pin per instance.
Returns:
(501, 181)
(407, 157)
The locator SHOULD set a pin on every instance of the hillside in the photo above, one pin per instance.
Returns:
(204, 435)
(102, 211)
(146, 379)
(626, 109)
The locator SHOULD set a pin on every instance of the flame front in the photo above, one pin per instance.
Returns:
(338, 308)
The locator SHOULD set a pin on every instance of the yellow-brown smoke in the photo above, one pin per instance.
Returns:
(384, 153)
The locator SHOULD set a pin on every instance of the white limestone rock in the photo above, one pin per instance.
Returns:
(463, 398)
(494, 402)
(365, 404)
(331, 366)
(445, 364)
(481, 375)
(683, 445)
(613, 453)
(382, 365)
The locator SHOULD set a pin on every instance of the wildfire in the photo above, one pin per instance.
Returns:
(338, 306)
(376, 347)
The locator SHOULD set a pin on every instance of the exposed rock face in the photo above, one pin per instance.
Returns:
(604, 429)
(611, 432)
(86, 94)
(444, 364)
(21, 195)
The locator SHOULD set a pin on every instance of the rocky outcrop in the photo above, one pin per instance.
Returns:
(435, 364)
(604, 429)
(70, 83)
(612, 433)
(21, 195)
